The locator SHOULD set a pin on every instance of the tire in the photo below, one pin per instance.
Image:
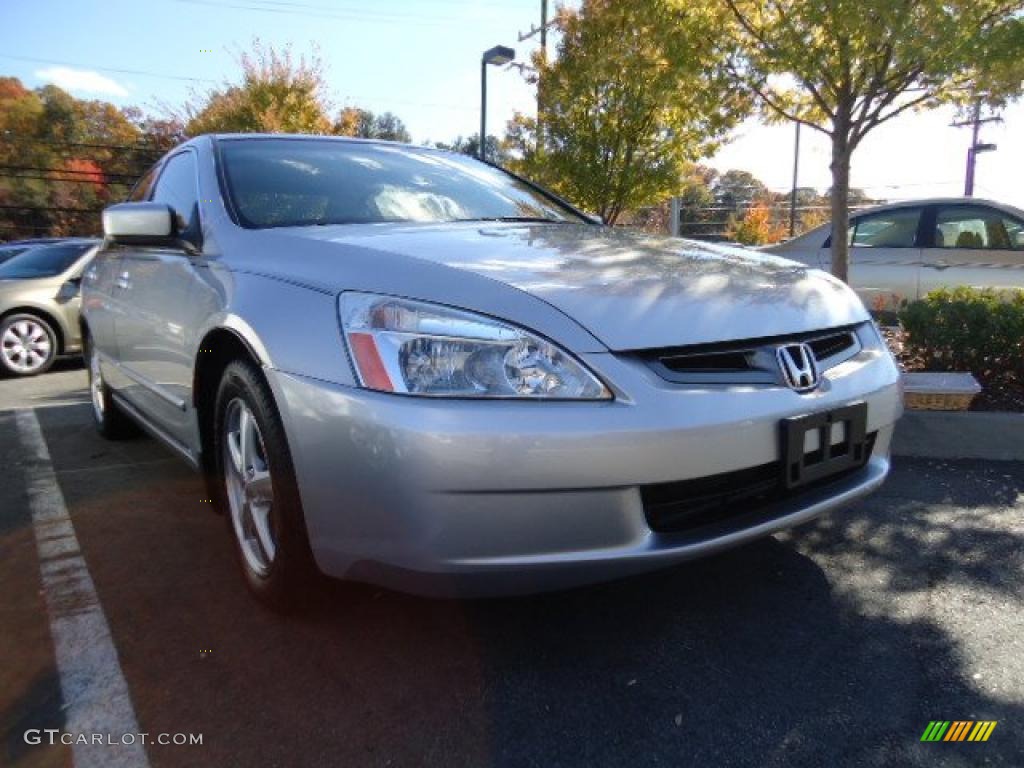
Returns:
(28, 345)
(255, 485)
(109, 419)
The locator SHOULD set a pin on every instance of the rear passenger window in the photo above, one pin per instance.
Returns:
(886, 229)
(977, 227)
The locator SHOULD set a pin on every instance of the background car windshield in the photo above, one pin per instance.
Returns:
(10, 251)
(277, 183)
(42, 261)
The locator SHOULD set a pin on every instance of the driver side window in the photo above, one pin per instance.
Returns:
(886, 229)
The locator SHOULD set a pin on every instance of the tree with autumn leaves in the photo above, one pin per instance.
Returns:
(283, 93)
(62, 159)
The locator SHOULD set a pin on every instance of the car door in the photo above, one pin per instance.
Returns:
(885, 256)
(154, 289)
(973, 244)
(104, 299)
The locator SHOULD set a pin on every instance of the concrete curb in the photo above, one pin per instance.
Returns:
(986, 435)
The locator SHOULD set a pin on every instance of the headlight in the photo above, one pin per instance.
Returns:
(412, 347)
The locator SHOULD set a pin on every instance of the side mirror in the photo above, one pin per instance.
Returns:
(140, 224)
(69, 290)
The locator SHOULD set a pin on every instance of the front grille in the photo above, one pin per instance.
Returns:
(750, 361)
(688, 505)
(708, 363)
(830, 346)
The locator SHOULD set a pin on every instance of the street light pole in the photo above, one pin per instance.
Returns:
(481, 150)
(497, 56)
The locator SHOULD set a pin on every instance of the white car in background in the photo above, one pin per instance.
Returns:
(906, 250)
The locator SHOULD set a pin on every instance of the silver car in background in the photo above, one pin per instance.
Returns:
(39, 304)
(403, 366)
(906, 250)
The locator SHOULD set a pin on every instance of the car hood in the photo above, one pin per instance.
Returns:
(628, 289)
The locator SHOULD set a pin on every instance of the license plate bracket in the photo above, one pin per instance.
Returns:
(801, 466)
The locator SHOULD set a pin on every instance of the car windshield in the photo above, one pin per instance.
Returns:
(42, 261)
(283, 182)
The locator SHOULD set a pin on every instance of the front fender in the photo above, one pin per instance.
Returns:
(291, 328)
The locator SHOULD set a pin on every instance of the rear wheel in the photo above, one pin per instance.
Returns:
(256, 487)
(110, 421)
(28, 345)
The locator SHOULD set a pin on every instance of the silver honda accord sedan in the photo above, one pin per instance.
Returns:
(406, 367)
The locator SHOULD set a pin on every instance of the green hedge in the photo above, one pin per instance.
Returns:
(965, 329)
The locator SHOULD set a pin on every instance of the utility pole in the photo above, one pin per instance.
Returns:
(976, 147)
(543, 31)
(792, 194)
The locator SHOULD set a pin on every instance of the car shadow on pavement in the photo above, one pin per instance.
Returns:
(783, 652)
(936, 522)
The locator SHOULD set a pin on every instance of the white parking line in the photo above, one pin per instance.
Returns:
(96, 698)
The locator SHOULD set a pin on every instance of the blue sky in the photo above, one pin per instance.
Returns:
(417, 58)
(420, 59)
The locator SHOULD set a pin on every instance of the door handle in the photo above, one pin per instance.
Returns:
(124, 282)
(939, 265)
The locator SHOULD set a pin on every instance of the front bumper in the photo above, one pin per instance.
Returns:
(475, 497)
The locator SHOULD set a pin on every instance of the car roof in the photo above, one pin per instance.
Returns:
(216, 137)
(938, 201)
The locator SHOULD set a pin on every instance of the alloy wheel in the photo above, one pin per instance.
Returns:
(96, 385)
(250, 490)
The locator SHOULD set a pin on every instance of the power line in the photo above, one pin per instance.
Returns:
(37, 177)
(8, 137)
(361, 15)
(49, 208)
(140, 72)
(69, 171)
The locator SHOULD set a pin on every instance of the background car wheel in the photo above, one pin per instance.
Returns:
(257, 490)
(28, 345)
(110, 421)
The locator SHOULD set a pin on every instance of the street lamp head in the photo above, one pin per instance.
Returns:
(499, 55)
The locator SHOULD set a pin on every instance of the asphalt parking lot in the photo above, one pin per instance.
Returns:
(835, 644)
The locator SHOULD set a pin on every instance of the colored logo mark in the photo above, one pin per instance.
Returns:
(958, 730)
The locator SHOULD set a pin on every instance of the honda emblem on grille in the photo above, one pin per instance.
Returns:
(798, 366)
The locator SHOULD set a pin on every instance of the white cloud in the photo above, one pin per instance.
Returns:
(82, 81)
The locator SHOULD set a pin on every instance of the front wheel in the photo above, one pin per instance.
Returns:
(28, 345)
(110, 421)
(256, 487)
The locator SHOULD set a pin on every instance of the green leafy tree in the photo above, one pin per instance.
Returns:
(844, 68)
(364, 124)
(497, 151)
(278, 94)
(636, 92)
